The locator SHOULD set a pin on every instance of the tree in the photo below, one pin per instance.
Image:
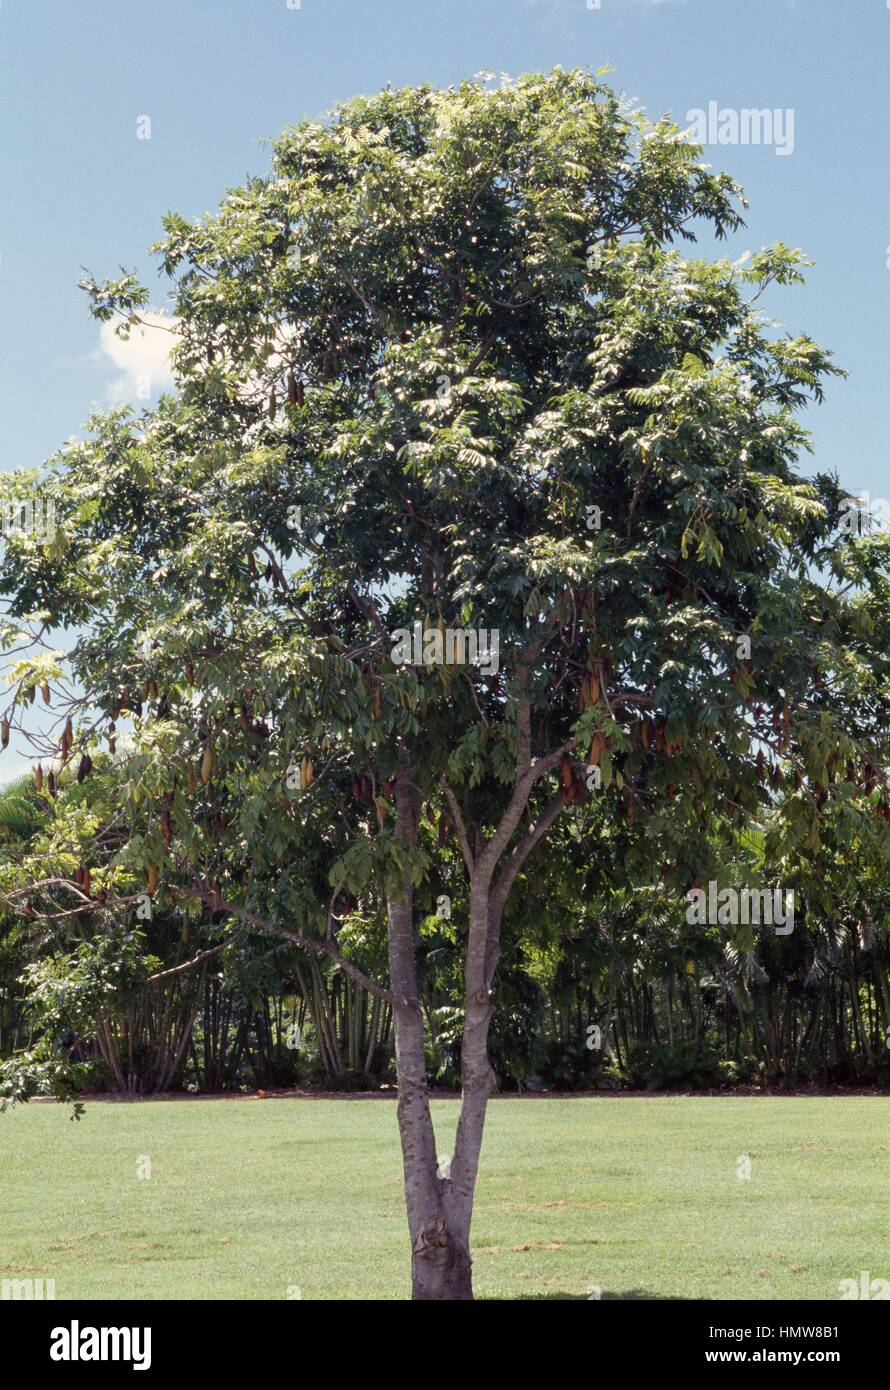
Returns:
(476, 496)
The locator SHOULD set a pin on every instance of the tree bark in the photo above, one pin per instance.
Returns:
(440, 1208)
(440, 1255)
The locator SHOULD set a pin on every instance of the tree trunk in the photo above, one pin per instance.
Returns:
(440, 1256)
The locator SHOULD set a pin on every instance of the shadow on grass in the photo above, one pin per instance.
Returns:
(626, 1296)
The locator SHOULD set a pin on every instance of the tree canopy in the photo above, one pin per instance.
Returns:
(448, 370)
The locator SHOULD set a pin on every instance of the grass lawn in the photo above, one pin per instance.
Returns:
(636, 1196)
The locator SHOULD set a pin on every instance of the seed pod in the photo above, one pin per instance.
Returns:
(760, 765)
(152, 879)
(301, 394)
(291, 389)
(84, 767)
(44, 690)
(273, 404)
(244, 721)
(38, 778)
(597, 748)
(85, 881)
(207, 764)
(51, 783)
(4, 733)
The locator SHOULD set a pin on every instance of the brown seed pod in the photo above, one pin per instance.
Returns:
(51, 783)
(44, 690)
(153, 689)
(596, 750)
(38, 778)
(85, 767)
(4, 733)
(152, 879)
(273, 404)
(244, 720)
(207, 764)
(291, 389)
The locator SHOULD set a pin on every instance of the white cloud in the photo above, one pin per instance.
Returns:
(142, 360)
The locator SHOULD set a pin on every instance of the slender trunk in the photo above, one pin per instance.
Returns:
(440, 1259)
(477, 1076)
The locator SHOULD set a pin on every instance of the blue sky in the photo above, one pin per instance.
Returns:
(214, 76)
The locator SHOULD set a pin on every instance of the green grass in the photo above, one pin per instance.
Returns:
(636, 1196)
